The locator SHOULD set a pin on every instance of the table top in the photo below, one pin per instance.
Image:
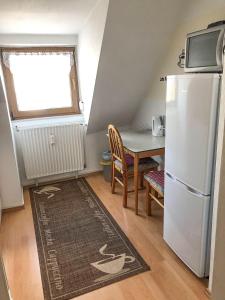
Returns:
(140, 141)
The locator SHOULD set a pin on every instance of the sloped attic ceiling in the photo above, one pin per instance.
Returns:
(136, 36)
(44, 16)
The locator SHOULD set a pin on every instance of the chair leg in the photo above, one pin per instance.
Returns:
(113, 179)
(142, 180)
(148, 200)
(125, 188)
(153, 193)
(112, 173)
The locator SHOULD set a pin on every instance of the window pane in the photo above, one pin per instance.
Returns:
(41, 81)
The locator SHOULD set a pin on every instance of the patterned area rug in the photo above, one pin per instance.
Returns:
(80, 246)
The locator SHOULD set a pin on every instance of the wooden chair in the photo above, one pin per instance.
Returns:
(123, 163)
(154, 181)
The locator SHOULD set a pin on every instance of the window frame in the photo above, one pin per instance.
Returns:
(11, 93)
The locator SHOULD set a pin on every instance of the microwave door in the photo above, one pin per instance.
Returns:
(204, 50)
(220, 48)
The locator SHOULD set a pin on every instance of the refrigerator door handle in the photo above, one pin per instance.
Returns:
(188, 188)
(191, 190)
(170, 176)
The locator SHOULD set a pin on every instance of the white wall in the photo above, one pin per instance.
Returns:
(217, 271)
(95, 143)
(135, 38)
(197, 16)
(89, 50)
(10, 187)
(38, 40)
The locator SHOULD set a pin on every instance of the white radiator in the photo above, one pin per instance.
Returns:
(53, 149)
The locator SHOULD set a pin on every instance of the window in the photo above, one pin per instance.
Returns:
(40, 81)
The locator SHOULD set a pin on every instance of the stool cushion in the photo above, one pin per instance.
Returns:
(144, 163)
(156, 180)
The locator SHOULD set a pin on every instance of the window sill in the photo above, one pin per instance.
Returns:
(46, 121)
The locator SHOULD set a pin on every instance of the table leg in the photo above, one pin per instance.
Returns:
(136, 162)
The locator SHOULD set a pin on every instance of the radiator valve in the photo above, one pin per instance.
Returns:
(52, 139)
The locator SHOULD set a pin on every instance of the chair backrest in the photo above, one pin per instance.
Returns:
(116, 145)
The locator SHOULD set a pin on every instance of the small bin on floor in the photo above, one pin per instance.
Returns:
(106, 169)
(106, 164)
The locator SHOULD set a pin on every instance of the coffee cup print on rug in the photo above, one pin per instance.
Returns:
(112, 265)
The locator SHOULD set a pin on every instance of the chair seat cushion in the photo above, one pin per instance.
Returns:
(144, 163)
(156, 180)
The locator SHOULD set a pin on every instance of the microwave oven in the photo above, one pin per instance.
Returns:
(204, 50)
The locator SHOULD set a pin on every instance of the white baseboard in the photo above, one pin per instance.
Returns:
(84, 172)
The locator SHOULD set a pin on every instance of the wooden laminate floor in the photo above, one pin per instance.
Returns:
(169, 278)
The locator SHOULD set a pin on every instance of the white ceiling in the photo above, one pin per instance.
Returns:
(44, 16)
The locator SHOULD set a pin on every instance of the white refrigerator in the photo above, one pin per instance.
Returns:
(191, 124)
